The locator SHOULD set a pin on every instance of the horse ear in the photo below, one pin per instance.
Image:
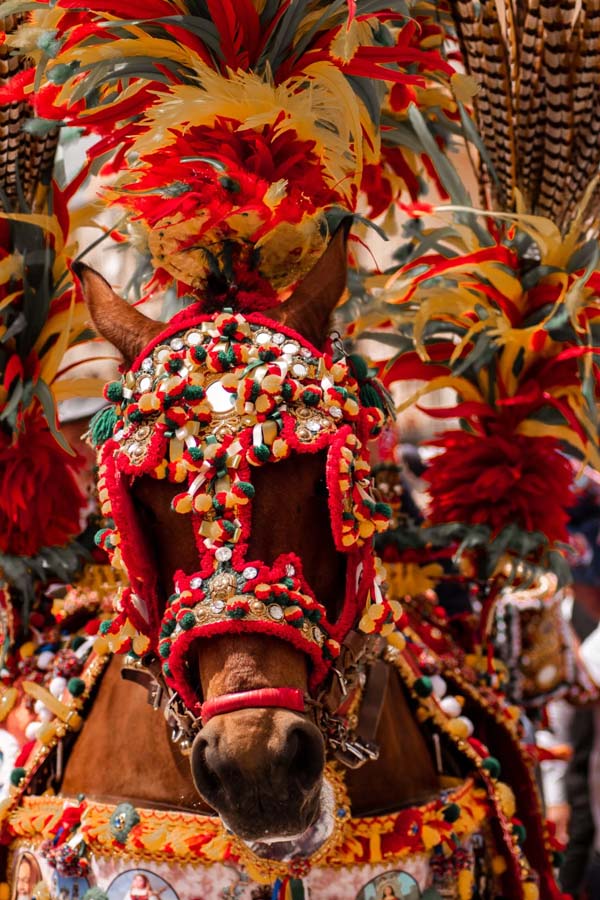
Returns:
(115, 319)
(309, 308)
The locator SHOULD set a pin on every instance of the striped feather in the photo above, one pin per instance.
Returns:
(538, 110)
(26, 161)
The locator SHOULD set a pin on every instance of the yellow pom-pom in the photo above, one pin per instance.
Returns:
(140, 644)
(280, 449)
(149, 403)
(531, 891)
(466, 883)
(101, 646)
(26, 650)
(458, 727)
(507, 799)
(397, 640)
(498, 865)
(202, 503)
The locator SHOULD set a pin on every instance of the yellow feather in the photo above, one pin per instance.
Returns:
(465, 389)
(66, 388)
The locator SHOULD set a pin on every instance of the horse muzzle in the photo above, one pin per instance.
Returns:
(261, 770)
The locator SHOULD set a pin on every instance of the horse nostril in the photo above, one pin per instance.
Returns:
(304, 754)
(205, 778)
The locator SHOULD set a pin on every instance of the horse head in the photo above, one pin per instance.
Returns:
(234, 467)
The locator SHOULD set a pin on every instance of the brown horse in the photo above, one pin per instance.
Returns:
(259, 764)
(259, 768)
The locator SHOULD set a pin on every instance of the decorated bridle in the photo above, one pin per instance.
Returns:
(206, 401)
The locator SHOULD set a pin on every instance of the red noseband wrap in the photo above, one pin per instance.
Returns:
(283, 698)
(208, 400)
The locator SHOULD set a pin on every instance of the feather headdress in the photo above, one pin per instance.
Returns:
(239, 130)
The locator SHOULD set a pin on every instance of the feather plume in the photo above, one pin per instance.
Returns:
(537, 63)
(234, 121)
(26, 160)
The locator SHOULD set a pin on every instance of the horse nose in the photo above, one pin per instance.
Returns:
(263, 781)
(304, 754)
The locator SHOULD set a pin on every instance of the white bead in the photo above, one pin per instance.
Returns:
(451, 706)
(45, 659)
(467, 723)
(57, 686)
(45, 714)
(42, 711)
(439, 686)
(31, 732)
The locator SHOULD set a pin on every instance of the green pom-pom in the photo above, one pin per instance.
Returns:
(136, 415)
(311, 398)
(451, 812)
(286, 390)
(77, 641)
(246, 488)
(166, 669)
(423, 686)
(95, 893)
(168, 627)
(196, 453)
(521, 832)
(105, 626)
(187, 621)
(198, 354)
(236, 613)
(174, 365)
(383, 509)
(114, 391)
(101, 536)
(164, 649)
(194, 392)
(492, 765)
(76, 686)
(227, 358)
(102, 425)
(17, 775)
(262, 452)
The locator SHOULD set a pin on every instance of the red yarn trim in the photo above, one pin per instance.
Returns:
(179, 679)
(143, 577)
(283, 698)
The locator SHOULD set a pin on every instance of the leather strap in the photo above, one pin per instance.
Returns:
(282, 697)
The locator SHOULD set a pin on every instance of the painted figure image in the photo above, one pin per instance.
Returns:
(27, 876)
